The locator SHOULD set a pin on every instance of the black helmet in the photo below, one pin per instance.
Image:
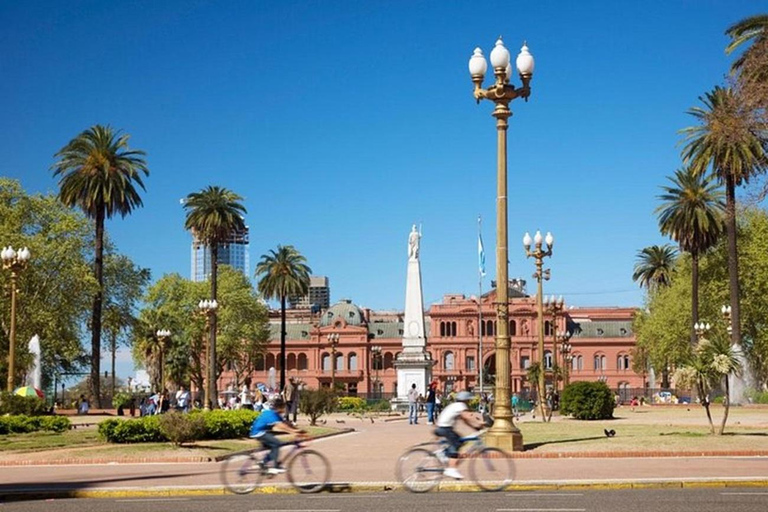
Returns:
(278, 402)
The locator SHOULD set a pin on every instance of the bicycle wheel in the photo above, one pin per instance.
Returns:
(419, 470)
(491, 469)
(241, 473)
(309, 471)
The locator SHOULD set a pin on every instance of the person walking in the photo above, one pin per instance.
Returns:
(182, 399)
(431, 397)
(413, 405)
(291, 397)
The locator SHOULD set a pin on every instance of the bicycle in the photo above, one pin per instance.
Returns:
(307, 470)
(419, 469)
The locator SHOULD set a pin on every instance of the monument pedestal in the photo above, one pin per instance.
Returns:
(412, 368)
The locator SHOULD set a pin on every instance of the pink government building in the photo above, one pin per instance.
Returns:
(362, 345)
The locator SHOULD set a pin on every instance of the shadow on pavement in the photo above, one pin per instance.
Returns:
(533, 446)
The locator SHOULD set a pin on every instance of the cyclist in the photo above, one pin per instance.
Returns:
(261, 429)
(458, 410)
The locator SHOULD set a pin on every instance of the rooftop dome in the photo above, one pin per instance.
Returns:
(343, 310)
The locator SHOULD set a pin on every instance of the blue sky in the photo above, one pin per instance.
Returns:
(343, 123)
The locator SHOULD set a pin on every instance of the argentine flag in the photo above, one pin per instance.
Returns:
(480, 255)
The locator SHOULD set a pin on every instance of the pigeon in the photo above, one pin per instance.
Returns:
(609, 433)
(324, 422)
(340, 421)
(371, 420)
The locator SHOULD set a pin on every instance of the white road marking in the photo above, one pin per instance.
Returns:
(547, 494)
(744, 493)
(151, 499)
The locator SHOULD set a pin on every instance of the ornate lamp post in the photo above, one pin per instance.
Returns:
(726, 311)
(700, 328)
(541, 274)
(554, 307)
(333, 341)
(567, 358)
(162, 337)
(15, 261)
(376, 359)
(208, 308)
(503, 433)
(561, 338)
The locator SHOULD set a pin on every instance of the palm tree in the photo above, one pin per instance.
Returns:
(214, 215)
(727, 140)
(692, 215)
(101, 176)
(654, 266)
(752, 31)
(284, 273)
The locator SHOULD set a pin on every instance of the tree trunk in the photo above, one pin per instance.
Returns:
(282, 343)
(727, 404)
(733, 256)
(694, 294)
(113, 347)
(705, 402)
(98, 270)
(212, 364)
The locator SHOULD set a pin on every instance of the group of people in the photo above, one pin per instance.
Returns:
(433, 402)
(159, 403)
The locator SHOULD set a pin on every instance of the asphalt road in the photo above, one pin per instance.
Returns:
(730, 499)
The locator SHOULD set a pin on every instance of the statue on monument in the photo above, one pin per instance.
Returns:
(413, 244)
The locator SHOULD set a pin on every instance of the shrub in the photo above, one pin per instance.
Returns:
(351, 403)
(181, 428)
(316, 402)
(107, 429)
(23, 424)
(227, 424)
(587, 401)
(380, 406)
(22, 405)
(758, 397)
(141, 430)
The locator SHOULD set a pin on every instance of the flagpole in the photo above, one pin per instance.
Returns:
(479, 307)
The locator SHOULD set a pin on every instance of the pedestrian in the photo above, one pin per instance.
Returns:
(245, 398)
(515, 404)
(431, 398)
(83, 406)
(182, 399)
(291, 397)
(165, 401)
(413, 405)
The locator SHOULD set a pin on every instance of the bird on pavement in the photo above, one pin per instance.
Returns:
(609, 433)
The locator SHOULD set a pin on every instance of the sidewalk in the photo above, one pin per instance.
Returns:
(365, 460)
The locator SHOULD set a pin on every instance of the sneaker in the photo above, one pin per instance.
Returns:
(453, 473)
(441, 456)
(430, 423)
(275, 471)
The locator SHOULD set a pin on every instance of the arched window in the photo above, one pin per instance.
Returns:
(603, 363)
(326, 362)
(442, 329)
(270, 361)
(577, 363)
(548, 359)
(352, 361)
(489, 327)
(302, 362)
(453, 329)
(448, 361)
(290, 362)
(547, 328)
(388, 360)
(259, 365)
(626, 362)
(339, 363)
(482, 328)
(512, 328)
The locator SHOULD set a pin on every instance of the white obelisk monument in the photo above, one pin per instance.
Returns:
(413, 364)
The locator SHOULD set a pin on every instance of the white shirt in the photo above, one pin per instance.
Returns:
(448, 417)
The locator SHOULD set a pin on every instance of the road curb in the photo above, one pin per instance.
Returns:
(370, 487)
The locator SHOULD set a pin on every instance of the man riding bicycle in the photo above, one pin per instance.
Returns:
(261, 429)
(446, 421)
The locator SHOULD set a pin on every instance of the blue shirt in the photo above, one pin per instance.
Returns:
(264, 423)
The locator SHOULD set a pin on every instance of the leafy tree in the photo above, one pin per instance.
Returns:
(751, 67)
(283, 273)
(213, 215)
(57, 286)
(654, 266)
(727, 140)
(100, 175)
(691, 213)
(316, 402)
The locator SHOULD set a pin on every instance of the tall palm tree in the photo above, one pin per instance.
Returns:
(100, 175)
(691, 213)
(752, 31)
(214, 215)
(284, 273)
(727, 140)
(654, 266)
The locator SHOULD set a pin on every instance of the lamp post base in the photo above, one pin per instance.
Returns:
(510, 439)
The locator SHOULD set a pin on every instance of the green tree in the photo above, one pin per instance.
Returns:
(654, 266)
(124, 285)
(691, 213)
(751, 66)
(100, 175)
(57, 287)
(726, 140)
(213, 215)
(283, 273)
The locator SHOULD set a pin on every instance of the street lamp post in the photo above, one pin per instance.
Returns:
(333, 340)
(208, 308)
(15, 261)
(565, 348)
(376, 353)
(554, 307)
(726, 311)
(541, 274)
(162, 337)
(503, 433)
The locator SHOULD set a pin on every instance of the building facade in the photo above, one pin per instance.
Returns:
(318, 297)
(356, 348)
(234, 252)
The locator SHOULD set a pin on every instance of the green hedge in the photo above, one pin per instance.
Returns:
(22, 405)
(147, 429)
(20, 424)
(351, 403)
(587, 401)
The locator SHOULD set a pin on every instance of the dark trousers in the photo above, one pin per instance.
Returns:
(269, 440)
(454, 440)
(291, 408)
